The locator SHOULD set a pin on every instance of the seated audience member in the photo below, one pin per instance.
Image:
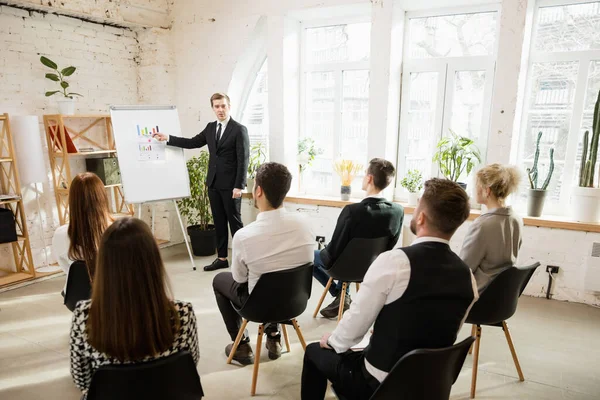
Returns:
(276, 241)
(131, 317)
(417, 296)
(494, 239)
(373, 217)
(89, 216)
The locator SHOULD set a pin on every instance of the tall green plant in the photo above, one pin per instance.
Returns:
(58, 76)
(196, 208)
(258, 155)
(587, 168)
(532, 173)
(455, 155)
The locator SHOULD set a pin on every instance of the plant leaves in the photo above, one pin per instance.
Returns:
(74, 94)
(53, 77)
(68, 71)
(48, 62)
(48, 94)
(64, 84)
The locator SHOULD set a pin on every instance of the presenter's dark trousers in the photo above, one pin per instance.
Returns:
(346, 372)
(225, 210)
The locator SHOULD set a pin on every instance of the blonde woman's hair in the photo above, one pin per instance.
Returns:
(501, 179)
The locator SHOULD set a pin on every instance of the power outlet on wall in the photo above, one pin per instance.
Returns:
(320, 239)
(552, 269)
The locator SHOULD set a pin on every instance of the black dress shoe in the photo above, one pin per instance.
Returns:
(217, 264)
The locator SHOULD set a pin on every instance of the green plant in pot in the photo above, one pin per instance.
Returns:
(258, 156)
(456, 155)
(536, 195)
(307, 152)
(66, 104)
(585, 198)
(196, 208)
(413, 182)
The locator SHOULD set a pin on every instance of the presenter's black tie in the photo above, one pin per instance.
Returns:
(218, 133)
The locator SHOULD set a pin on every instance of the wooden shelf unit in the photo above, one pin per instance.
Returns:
(59, 126)
(9, 184)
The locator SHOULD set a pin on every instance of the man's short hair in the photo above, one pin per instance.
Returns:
(219, 96)
(446, 204)
(382, 171)
(275, 180)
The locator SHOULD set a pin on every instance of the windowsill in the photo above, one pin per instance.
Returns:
(547, 221)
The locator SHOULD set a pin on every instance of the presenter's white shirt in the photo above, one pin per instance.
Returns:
(276, 241)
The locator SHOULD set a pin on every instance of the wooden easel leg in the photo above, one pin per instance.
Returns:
(237, 341)
(342, 300)
(475, 361)
(512, 350)
(285, 337)
(261, 331)
(299, 333)
(323, 297)
(185, 238)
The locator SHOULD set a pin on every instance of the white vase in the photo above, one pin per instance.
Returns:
(249, 185)
(413, 198)
(585, 204)
(66, 106)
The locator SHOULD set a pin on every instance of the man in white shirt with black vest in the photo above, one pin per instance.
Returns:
(417, 296)
(276, 241)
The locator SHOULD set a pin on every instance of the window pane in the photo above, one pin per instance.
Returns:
(420, 134)
(338, 43)
(553, 85)
(568, 28)
(256, 112)
(467, 104)
(320, 103)
(453, 35)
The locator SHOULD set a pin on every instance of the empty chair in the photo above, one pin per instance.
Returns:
(352, 265)
(79, 286)
(278, 297)
(497, 303)
(174, 378)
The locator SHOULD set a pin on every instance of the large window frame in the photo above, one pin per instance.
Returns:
(584, 58)
(338, 70)
(446, 68)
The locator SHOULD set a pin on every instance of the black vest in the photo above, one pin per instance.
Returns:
(429, 313)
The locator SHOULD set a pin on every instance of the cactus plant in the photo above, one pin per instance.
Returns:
(588, 161)
(532, 173)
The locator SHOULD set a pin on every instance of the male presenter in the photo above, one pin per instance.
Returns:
(228, 146)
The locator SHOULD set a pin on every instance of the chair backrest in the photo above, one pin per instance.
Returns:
(357, 257)
(279, 296)
(498, 301)
(79, 286)
(174, 378)
(424, 374)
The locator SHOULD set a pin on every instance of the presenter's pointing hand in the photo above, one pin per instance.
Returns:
(160, 137)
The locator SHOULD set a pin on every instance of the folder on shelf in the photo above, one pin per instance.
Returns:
(56, 140)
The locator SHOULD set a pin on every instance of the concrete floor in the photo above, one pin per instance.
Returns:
(557, 344)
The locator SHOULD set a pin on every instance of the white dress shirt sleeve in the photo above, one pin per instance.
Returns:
(385, 282)
(239, 269)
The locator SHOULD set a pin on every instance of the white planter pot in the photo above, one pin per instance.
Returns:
(585, 204)
(249, 185)
(66, 106)
(413, 198)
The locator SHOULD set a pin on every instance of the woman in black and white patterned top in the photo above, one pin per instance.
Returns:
(130, 318)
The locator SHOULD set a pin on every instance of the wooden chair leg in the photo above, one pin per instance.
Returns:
(285, 337)
(261, 331)
(475, 361)
(473, 333)
(237, 341)
(299, 333)
(357, 287)
(322, 298)
(512, 350)
(342, 301)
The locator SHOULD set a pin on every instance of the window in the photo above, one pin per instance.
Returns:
(447, 83)
(336, 100)
(256, 112)
(562, 86)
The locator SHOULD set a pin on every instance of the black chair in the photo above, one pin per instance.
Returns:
(174, 377)
(79, 286)
(424, 374)
(278, 297)
(497, 303)
(352, 265)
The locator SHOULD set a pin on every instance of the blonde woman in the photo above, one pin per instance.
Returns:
(494, 239)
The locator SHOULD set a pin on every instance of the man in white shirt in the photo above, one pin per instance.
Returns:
(417, 296)
(276, 241)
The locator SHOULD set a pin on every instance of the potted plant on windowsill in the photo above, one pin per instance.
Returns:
(585, 197)
(196, 208)
(456, 155)
(413, 182)
(66, 105)
(536, 195)
(347, 170)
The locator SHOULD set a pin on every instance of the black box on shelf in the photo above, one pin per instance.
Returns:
(8, 227)
(106, 168)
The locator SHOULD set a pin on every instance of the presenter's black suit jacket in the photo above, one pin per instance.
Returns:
(228, 161)
(371, 218)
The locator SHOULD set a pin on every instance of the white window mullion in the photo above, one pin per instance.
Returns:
(337, 125)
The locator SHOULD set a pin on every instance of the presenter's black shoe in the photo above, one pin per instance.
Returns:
(217, 264)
